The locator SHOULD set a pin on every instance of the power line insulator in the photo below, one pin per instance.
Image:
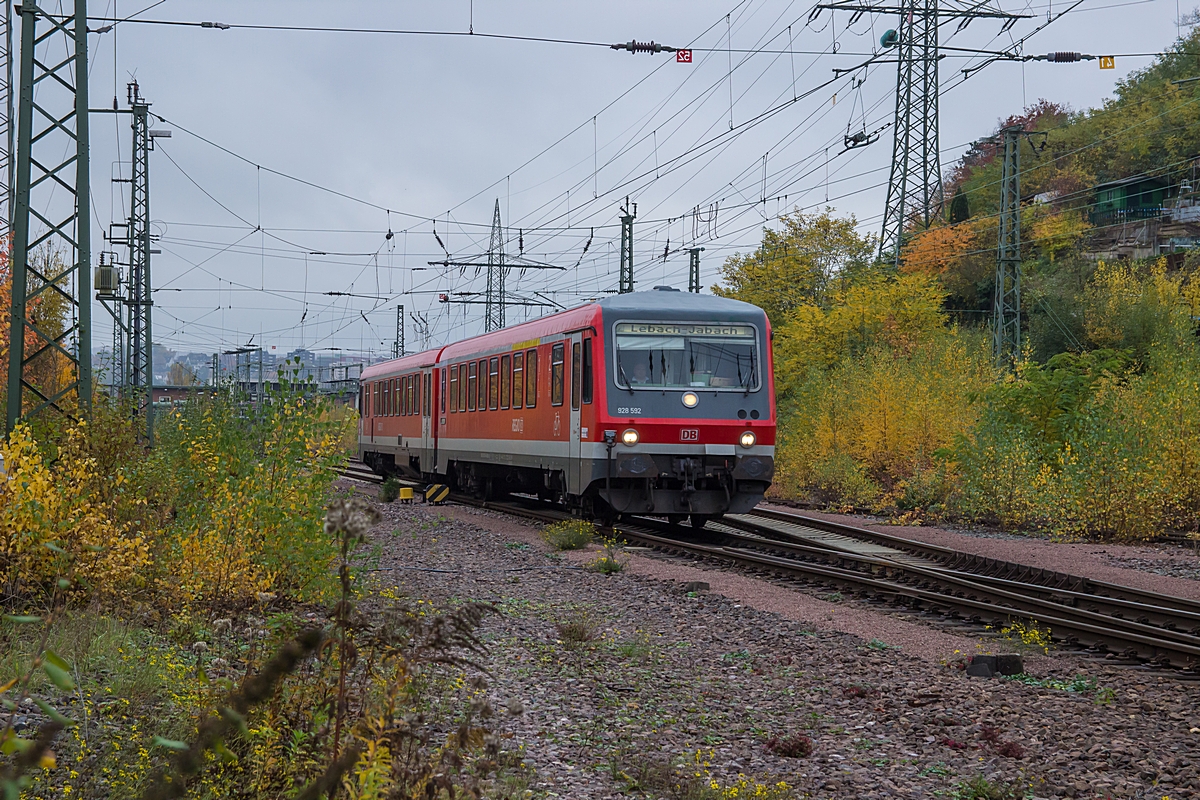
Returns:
(643, 47)
(1063, 57)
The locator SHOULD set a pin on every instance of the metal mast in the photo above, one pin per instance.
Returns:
(627, 217)
(7, 132)
(1006, 309)
(494, 318)
(51, 368)
(915, 185)
(398, 345)
(694, 269)
(140, 299)
(914, 197)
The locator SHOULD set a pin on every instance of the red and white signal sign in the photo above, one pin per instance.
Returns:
(683, 56)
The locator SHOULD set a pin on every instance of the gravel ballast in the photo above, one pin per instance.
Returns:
(626, 674)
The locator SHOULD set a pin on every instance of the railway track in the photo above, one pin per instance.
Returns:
(1103, 619)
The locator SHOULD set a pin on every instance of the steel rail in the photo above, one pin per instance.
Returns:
(1072, 630)
(1018, 596)
(982, 565)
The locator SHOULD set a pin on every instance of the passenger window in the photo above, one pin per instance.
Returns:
(518, 379)
(556, 374)
(483, 384)
(443, 392)
(410, 396)
(587, 371)
(494, 384)
(505, 380)
(454, 389)
(531, 379)
(376, 392)
(576, 361)
(427, 395)
(385, 397)
(471, 386)
(462, 387)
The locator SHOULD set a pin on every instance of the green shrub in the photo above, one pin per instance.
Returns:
(571, 534)
(389, 490)
(980, 788)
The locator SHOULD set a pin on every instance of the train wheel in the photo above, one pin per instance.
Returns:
(700, 520)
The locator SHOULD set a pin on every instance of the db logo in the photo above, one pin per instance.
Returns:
(689, 434)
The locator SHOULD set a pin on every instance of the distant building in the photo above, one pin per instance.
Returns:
(1136, 197)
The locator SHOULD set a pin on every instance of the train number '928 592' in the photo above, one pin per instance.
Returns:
(631, 411)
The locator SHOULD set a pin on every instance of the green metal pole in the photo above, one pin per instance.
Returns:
(83, 223)
(20, 246)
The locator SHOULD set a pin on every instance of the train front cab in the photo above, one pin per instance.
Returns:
(686, 418)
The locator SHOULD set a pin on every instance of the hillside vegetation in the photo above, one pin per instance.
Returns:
(888, 395)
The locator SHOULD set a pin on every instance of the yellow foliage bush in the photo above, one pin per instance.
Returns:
(54, 520)
(872, 388)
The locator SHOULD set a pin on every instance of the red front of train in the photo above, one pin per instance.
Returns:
(659, 403)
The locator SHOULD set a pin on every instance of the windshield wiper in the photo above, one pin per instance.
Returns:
(749, 376)
(625, 377)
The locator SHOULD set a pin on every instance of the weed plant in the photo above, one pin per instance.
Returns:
(389, 490)
(571, 534)
(612, 559)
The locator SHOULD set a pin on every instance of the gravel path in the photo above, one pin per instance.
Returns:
(1140, 566)
(628, 680)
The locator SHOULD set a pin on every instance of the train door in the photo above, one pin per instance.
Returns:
(574, 391)
(428, 459)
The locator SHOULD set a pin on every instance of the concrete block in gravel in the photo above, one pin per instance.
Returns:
(982, 666)
(696, 586)
(1010, 664)
(979, 670)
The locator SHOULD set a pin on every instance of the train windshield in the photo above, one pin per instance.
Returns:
(678, 356)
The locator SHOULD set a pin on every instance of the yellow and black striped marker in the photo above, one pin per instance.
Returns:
(437, 493)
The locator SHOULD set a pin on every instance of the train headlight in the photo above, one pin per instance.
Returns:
(690, 399)
(747, 439)
(630, 437)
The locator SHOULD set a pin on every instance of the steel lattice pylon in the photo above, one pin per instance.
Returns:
(1006, 308)
(914, 196)
(915, 187)
(7, 132)
(494, 318)
(140, 299)
(50, 366)
(626, 282)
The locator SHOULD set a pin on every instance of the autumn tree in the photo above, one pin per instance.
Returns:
(181, 375)
(810, 256)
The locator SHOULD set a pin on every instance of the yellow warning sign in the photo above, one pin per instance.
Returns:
(437, 493)
(1108, 62)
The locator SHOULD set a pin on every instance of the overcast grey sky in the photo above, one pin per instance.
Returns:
(424, 131)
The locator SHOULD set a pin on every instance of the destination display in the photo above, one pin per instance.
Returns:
(675, 329)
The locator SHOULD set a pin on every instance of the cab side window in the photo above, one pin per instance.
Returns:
(576, 374)
(587, 371)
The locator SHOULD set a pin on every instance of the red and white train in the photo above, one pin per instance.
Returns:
(659, 403)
